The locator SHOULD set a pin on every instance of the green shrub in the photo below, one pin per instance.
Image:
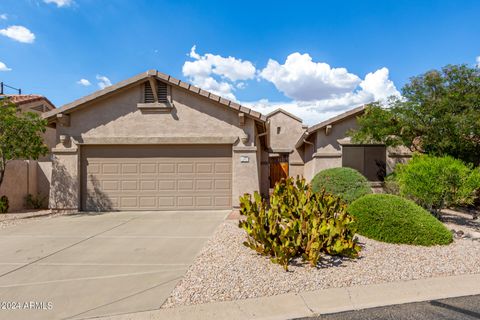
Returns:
(3, 204)
(297, 222)
(35, 202)
(393, 219)
(438, 182)
(346, 183)
(390, 184)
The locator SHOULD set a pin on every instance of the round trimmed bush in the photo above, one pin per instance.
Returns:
(393, 219)
(346, 183)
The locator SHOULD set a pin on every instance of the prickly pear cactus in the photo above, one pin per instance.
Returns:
(297, 222)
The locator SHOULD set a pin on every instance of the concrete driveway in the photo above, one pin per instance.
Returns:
(88, 265)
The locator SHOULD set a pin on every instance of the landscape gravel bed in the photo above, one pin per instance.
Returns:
(11, 219)
(227, 270)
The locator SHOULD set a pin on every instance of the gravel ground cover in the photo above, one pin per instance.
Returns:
(227, 270)
(11, 219)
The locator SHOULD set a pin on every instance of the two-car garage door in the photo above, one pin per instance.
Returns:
(174, 177)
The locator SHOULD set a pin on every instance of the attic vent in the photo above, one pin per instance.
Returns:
(40, 108)
(162, 92)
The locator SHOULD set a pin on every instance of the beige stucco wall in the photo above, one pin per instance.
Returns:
(20, 179)
(284, 133)
(117, 117)
(65, 187)
(397, 155)
(327, 151)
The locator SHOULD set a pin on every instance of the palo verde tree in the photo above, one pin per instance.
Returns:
(20, 135)
(438, 114)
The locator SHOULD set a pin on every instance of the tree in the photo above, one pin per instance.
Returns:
(20, 135)
(437, 183)
(438, 114)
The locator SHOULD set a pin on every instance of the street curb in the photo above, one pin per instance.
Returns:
(312, 303)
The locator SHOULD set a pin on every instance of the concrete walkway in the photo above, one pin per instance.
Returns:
(307, 304)
(89, 265)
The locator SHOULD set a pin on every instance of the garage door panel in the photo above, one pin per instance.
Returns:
(110, 185)
(166, 202)
(110, 168)
(223, 167)
(222, 201)
(186, 185)
(166, 185)
(223, 184)
(148, 202)
(204, 168)
(166, 168)
(184, 168)
(156, 177)
(185, 201)
(130, 168)
(203, 201)
(204, 185)
(148, 168)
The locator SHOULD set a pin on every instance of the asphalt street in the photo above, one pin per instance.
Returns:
(463, 308)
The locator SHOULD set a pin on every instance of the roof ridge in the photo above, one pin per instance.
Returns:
(291, 115)
(163, 77)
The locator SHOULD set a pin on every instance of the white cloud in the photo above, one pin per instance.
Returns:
(478, 62)
(216, 73)
(84, 82)
(3, 16)
(378, 85)
(18, 33)
(60, 3)
(231, 68)
(3, 67)
(103, 82)
(300, 78)
(317, 90)
(375, 87)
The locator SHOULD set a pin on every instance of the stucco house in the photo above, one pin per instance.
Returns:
(153, 142)
(23, 177)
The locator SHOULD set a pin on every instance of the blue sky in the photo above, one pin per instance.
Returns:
(314, 58)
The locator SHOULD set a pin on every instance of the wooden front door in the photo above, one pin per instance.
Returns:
(278, 169)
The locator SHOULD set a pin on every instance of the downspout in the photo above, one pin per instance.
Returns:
(307, 142)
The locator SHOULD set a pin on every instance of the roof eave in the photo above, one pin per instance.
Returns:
(163, 77)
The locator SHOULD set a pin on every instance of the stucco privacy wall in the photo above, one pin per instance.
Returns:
(23, 177)
(117, 120)
(19, 181)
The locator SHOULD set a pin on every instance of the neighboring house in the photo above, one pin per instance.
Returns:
(23, 177)
(153, 142)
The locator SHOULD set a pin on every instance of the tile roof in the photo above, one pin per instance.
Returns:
(68, 108)
(20, 99)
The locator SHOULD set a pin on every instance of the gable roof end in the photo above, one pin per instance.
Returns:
(348, 114)
(280, 110)
(142, 77)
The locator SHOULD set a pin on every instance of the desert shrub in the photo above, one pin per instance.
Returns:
(394, 219)
(35, 202)
(346, 183)
(390, 184)
(297, 222)
(438, 182)
(3, 204)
